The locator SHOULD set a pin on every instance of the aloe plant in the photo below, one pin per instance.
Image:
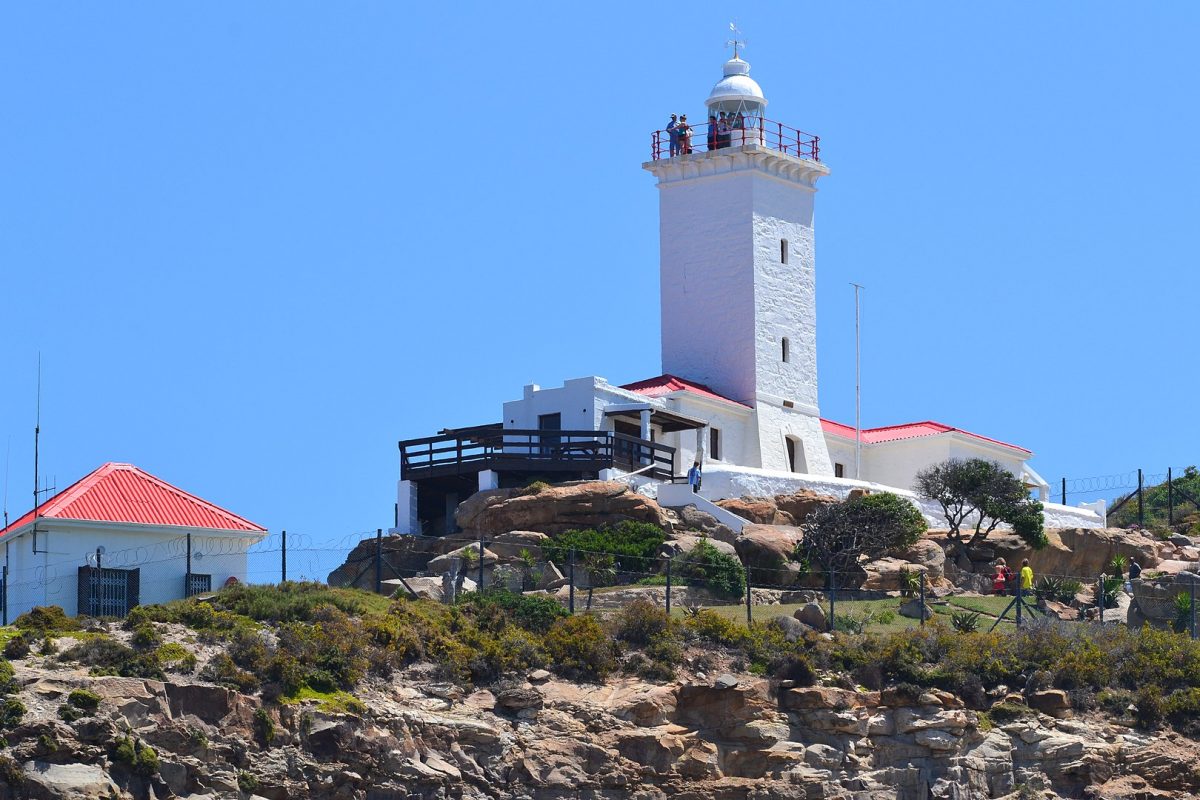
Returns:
(965, 621)
(1183, 612)
(1118, 565)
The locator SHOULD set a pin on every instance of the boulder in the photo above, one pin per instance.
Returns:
(692, 519)
(813, 616)
(515, 699)
(402, 555)
(557, 509)
(768, 549)
(513, 544)
(682, 544)
(884, 574)
(467, 557)
(928, 555)
(1074, 551)
(552, 577)
(1154, 598)
(793, 630)
(1054, 702)
(67, 781)
(759, 510)
(912, 609)
(800, 505)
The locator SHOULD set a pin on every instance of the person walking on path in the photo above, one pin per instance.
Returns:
(673, 135)
(695, 477)
(1026, 577)
(1135, 572)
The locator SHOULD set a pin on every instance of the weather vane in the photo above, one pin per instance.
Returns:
(736, 42)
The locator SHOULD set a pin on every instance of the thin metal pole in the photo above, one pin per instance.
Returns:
(283, 557)
(1170, 498)
(1064, 491)
(1141, 510)
(479, 588)
(832, 596)
(189, 556)
(749, 601)
(378, 560)
(922, 599)
(857, 383)
(6, 591)
(571, 582)
(1192, 587)
(1100, 596)
(668, 587)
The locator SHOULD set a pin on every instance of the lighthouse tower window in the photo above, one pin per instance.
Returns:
(783, 251)
(787, 350)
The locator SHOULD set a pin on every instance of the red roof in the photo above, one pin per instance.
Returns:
(667, 384)
(911, 430)
(124, 493)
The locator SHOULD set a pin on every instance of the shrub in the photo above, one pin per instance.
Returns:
(137, 756)
(110, 657)
(1151, 708)
(11, 712)
(17, 647)
(641, 623)
(46, 619)
(84, 699)
(176, 658)
(1118, 565)
(707, 567)
(1183, 613)
(579, 648)
(634, 544)
(1105, 592)
(1006, 711)
(533, 487)
(68, 713)
(965, 621)
(11, 773)
(221, 670)
(8, 681)
(246, 781)
(289, 602)
(838, 535)
(499, 606)
(264, 727)
(145, 636)
(711, 626)
(910, 582)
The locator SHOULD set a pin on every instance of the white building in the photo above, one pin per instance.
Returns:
(117, 538)
(739, 351)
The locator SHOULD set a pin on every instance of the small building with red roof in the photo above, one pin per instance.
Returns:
(117, 538)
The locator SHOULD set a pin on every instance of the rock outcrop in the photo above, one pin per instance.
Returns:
(557, 509)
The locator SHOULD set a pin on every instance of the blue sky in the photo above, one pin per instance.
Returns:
(258, 243)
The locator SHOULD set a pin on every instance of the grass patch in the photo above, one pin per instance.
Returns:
(335, 702)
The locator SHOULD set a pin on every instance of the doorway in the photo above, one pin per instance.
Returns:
(795, 455)
(549, 442)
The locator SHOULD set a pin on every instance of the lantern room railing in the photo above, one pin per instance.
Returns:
(755, 131)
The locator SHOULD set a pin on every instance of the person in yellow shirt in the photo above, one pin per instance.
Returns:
(1026, 577)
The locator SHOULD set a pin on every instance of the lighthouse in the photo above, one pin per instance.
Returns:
(738, 268)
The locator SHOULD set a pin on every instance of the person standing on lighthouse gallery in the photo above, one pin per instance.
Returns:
(673, 135)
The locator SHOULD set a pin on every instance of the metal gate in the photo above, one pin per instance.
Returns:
(108, 592)
(195, 583)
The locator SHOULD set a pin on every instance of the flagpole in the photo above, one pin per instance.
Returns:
(857, 383)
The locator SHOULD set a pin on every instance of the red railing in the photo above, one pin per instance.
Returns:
(756, 131)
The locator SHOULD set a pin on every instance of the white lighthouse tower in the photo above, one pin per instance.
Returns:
(738, 269)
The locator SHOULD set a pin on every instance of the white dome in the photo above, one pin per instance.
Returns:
(737, 85)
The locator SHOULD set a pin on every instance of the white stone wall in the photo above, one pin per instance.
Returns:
(52, 578)
(775, 424)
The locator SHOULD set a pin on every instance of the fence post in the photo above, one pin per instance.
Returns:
(479, 588)
(571, 582)
(749, 602)
(5, 598)
(1170, 498)
(1100, 596)
(378, 560)
(668, 587)
(283, 558)
(1064, 491)
(1192, 587)
(1020, 600)
(832, 597)
(1141, 509)
(922, 599)
(187, 590)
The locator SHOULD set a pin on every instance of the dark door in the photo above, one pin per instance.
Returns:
(549, 442)
(791, 448)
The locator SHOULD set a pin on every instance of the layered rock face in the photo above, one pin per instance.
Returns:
(557, 509)
(728, 738)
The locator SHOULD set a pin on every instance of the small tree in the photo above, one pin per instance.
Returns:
(601, 571)
(987, 490)
(837, 536)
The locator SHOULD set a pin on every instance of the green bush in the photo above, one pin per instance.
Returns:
(146, 636)
(264, 727)
(634, 545)
(289, 602)
(8, 681)
(707, 567)
(17, 647)
(11, 712)
(176, 658)
(579, 648)
(1151, 708)
(223, 671)
(110, 657)
(641, 623)
(84, 699)
(1183, 613)
(499, 606)
(46, 619)
(137, 756)
(246, 781)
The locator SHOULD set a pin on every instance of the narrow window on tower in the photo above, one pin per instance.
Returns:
(783, 251)
(787, 350)
(714, 444)
(839, 471)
